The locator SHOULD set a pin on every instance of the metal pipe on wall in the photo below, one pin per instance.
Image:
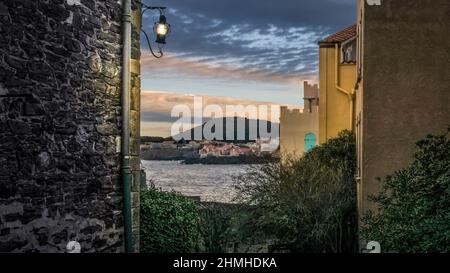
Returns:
(350, 94)
(125, 143)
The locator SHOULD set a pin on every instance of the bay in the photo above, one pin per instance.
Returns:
(212, 183)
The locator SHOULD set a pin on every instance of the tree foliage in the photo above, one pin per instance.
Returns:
(307, 203)
(216, 221)
(414, 204)
(169, 223)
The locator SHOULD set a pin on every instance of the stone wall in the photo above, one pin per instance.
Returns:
(60, 121)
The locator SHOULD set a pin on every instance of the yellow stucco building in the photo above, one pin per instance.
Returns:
(337, 77)
(323, 119)
(299, 130)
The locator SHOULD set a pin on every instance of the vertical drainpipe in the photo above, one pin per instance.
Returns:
(350, 94)
(125, 145)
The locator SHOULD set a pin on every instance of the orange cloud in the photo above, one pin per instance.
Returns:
(163, 102)
(174, 64)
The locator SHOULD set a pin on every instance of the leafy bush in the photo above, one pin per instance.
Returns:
(308, 204)
(414, 203)
(169, 223)
(216, 222)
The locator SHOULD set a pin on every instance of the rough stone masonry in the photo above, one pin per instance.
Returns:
(60, 115)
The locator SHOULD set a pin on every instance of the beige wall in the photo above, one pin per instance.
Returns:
(405, 87)
(335, 106)
(296, 124)
(135, 123)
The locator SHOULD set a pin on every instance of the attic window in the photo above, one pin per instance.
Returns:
(349, 52)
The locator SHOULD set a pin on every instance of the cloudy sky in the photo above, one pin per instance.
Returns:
(249, 51)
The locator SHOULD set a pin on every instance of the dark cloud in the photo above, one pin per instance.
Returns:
(279, 36)
(285, 13)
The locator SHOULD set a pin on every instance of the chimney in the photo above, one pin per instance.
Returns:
(311, 96)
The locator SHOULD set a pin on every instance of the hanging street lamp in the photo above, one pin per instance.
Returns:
(161, 29)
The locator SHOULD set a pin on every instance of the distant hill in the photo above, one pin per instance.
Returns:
(236, 121)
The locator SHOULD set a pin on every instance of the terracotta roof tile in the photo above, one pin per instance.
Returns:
(341, 36)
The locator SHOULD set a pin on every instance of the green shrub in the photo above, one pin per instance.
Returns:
(414, 204)
(169, 223)
(308, 204)
(216, 222)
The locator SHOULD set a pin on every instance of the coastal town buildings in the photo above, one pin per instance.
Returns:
(220, 149)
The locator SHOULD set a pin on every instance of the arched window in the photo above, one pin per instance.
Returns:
(310, 142)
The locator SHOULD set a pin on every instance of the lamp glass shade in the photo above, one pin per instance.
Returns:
(161, 29)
